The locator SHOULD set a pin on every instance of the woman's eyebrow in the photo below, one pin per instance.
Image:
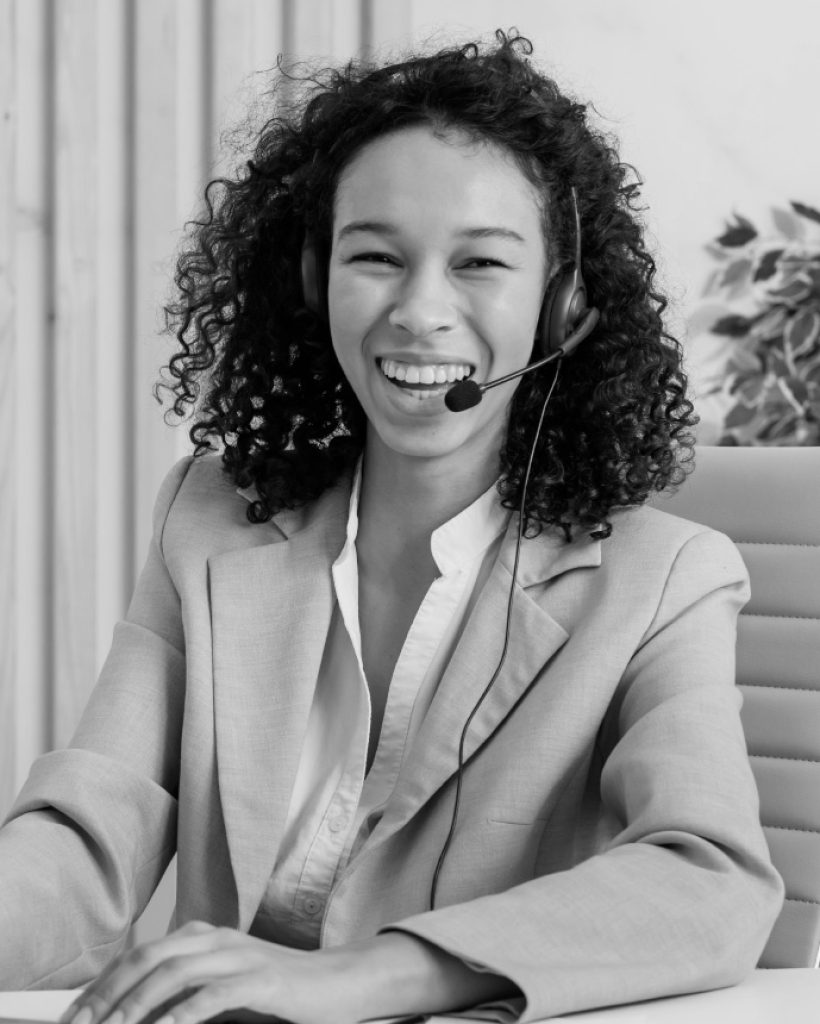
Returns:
(372, 226)
(384, 228)
(493, 232)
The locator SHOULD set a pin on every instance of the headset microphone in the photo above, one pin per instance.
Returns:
(466, 393)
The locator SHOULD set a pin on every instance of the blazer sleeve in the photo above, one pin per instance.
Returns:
(684, 895)
(94, 827)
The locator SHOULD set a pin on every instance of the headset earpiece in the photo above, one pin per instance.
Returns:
(563, 310)
(566, 300)
(314, 278)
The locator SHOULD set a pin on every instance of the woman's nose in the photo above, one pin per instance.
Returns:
(425, 305)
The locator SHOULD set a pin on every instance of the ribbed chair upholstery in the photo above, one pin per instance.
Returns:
(768, 501)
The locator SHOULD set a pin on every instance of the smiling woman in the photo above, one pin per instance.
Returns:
(432, 710)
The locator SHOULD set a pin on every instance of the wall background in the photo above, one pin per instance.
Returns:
(111, 114)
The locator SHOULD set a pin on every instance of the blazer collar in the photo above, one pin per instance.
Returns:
(549, 555)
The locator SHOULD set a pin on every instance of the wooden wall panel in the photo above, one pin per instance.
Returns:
(194, 109)
(386, 25)
(27, 474)
(247, 37)
(75, 385)
(8, 639)
(323, 29)
(114, 330)
(156, 36)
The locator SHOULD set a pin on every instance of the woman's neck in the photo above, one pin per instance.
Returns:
(404, 499)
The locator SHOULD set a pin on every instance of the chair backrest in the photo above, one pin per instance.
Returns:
(768, 501)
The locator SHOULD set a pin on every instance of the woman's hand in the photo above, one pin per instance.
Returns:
(201, 971)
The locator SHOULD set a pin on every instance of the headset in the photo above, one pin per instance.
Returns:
(562, 311)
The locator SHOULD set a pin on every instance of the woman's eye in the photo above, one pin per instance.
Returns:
(372, 257)
(480, 262)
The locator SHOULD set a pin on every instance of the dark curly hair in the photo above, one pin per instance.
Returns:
(275, 399)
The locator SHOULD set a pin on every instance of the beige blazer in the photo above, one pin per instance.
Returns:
(608, 846)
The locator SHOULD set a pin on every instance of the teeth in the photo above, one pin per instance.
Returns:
(433, 373)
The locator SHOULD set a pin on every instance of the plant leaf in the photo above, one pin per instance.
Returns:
(703, 316)
(749, 390)
(767, 265)
(770, 325)
(811, 374)
(794, 292)
(739, 415)
(806, 211)
(802, 331)
(717, 252)
(777, 363)
(787, 224)
(712, 283)
(733, 326)
(743, 362)
(737, 234)
(798, 389)
(736, 273)
(779, 428)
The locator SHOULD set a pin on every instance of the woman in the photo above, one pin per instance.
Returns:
(427, 729)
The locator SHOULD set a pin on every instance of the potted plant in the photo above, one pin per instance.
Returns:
(762, 302)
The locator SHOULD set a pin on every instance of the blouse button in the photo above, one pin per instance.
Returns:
(337, 824)
(312, 905)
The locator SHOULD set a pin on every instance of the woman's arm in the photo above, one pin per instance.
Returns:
(201, 971)
(94, 827)
(683, 896)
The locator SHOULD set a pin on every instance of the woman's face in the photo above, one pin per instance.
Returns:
(437, 270)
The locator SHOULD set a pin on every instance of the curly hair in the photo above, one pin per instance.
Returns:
(275, 400)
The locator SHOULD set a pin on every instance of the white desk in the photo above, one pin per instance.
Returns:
(767, 997)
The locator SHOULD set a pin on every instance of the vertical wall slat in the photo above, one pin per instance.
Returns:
(193, 88)
(248, 36)
(8, 384)
(76, 382)
(386, 21)
(316, 28)
(29, 726)
(155, 235)
(113, 341)
(346, 29)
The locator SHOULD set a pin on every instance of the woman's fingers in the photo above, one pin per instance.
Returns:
(180, 979)
(102, 998)
(201, 972)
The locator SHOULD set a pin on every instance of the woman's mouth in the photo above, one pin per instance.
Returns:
(424, 377)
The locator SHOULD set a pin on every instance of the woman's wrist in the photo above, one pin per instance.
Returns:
(396, 973)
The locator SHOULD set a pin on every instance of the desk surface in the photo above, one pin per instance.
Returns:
(786, 996)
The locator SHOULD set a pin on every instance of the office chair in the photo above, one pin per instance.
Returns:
(768, 501)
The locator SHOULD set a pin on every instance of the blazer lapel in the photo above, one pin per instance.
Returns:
(270, 609)
(534, 638)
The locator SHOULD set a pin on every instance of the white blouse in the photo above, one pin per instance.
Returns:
(335, 805)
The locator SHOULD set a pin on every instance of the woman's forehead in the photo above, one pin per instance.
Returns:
(422, 172)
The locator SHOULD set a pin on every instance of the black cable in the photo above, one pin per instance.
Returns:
(488, 687)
